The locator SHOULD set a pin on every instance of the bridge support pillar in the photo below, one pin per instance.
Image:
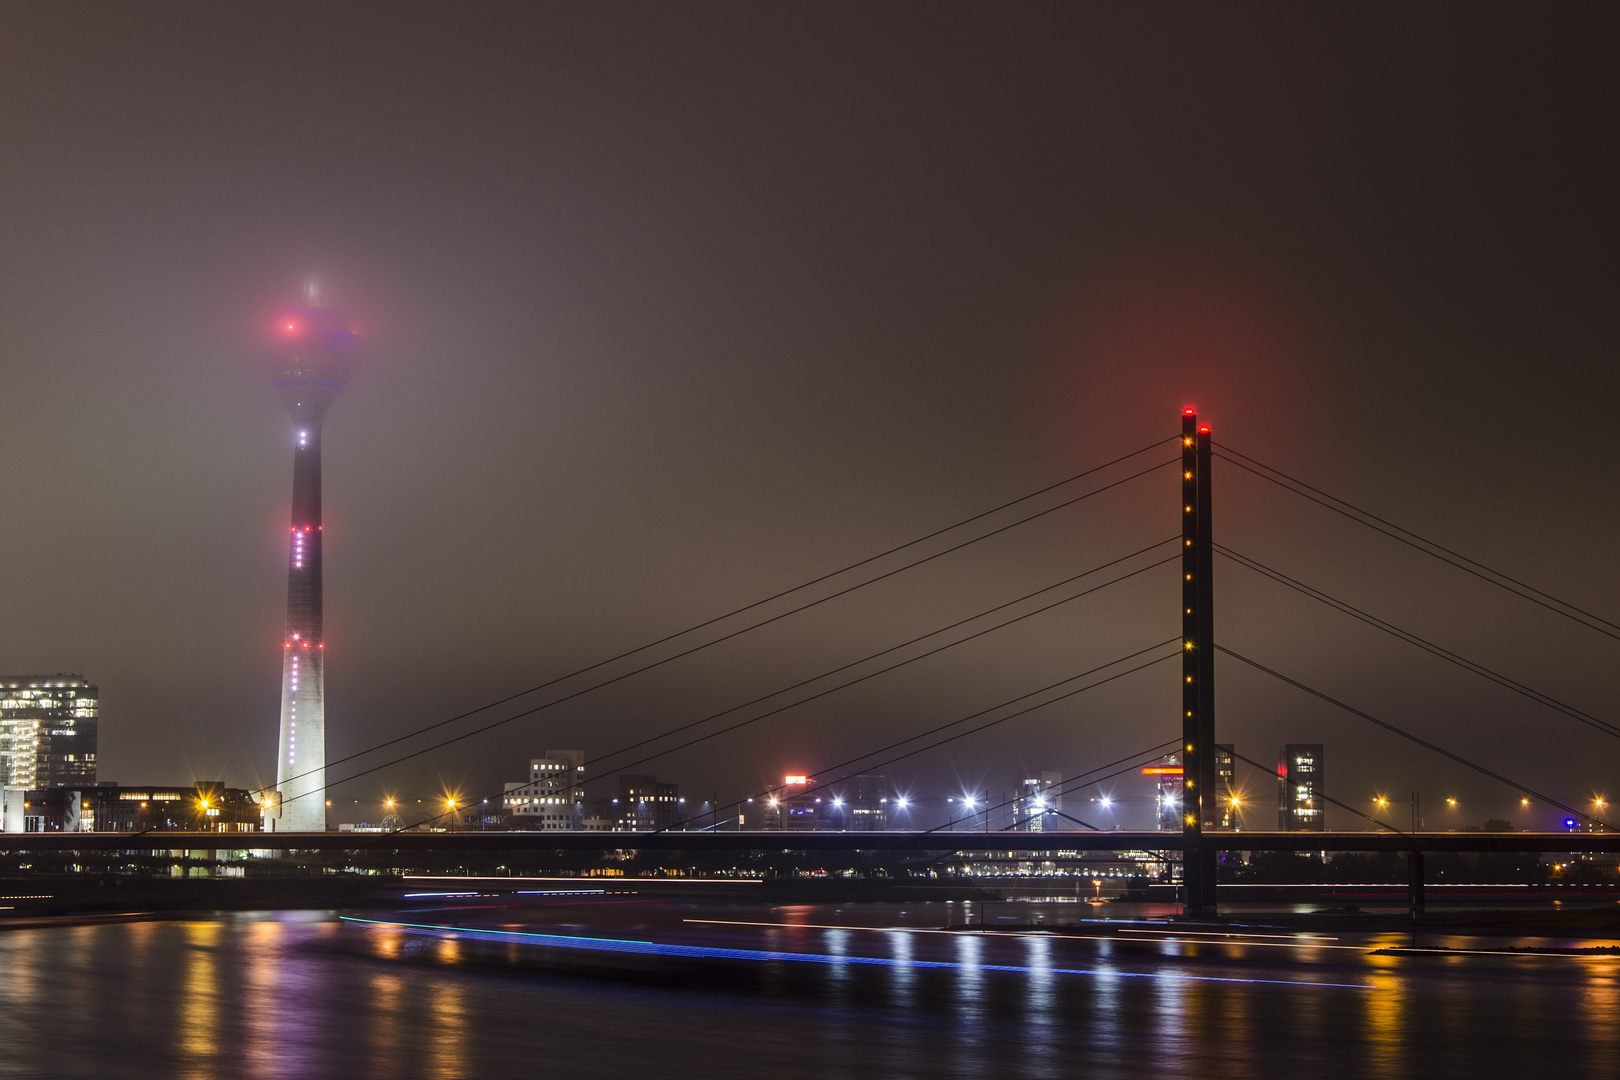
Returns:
(1414, 882)
(1198, 795)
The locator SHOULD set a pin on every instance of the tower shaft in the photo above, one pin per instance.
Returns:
(301, 760)
(1198, 798)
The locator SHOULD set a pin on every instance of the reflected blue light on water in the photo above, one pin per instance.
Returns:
(968, 968)
(306, 997)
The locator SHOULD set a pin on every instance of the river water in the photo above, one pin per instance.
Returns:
(688, 990)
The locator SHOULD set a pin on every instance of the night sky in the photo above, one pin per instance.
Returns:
(668, 307)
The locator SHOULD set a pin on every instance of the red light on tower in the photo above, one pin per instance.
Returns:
(1189, 411)
(1204, 430)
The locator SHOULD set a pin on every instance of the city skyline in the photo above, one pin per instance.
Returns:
(633, 381)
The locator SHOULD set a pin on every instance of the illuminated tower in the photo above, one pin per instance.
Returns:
(310, 360)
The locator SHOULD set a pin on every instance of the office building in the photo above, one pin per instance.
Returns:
(861, 803)
(553, 797)
(1038, 804)
(795, 806)
(47, 731)
(206, 806)
(643, 804)
(1229, 812)
(1300, 807)
(1167, 776)
(311, 358)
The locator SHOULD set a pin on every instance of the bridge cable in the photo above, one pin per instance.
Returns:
(953, 723)
(819, 694)
(823, 693)
(1085, 780)
(1477, 668)
(1386, 725)
(1325, 796)
(983, 712)
(1433, 550)
(914, 641)
(833, 671)
(758, 603)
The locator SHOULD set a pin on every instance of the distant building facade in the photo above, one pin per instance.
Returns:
(553, 797)
(1167, 773)
(1039, 801)
(1230, 814)
(794, 806)
(206, 806)
(47, 731)
(861, 803)
(1300, 806)
(644, 803)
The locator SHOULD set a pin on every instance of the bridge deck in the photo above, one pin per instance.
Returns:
(811, 841)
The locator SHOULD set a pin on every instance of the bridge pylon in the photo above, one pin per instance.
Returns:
(1198, 794)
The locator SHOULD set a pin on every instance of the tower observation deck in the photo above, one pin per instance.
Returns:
(312, 357)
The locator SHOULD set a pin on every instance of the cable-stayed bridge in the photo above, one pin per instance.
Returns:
(1191, 653)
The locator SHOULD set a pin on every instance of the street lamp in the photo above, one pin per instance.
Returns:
(970, 803)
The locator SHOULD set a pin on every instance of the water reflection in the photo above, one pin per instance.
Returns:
(260, 1005)
(299, 997)
(447, 1033)
(200, 1001)
(1383, 1020)
(1039, 1002)
(1600, 1014)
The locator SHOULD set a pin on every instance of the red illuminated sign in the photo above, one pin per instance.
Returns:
(795, 780)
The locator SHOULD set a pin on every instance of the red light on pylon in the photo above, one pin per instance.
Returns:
(1189, 411)
(1204, 430)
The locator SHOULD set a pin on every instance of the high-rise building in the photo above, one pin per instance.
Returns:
(1167, 800)
(554, 795)
(861, 802)
(1039, 801)
(47, 731)
(1300, 807)
(644, 804)
(311, 359)
(1230, 811)
(794, 806)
